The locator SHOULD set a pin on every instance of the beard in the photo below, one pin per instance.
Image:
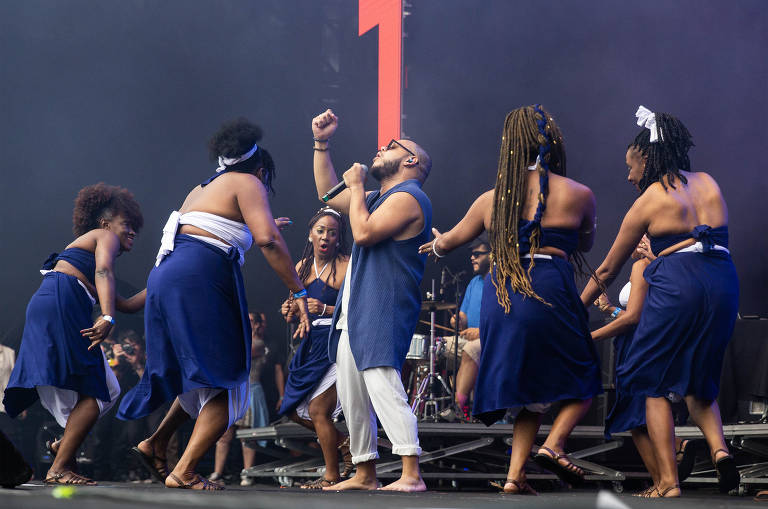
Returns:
(384, 169)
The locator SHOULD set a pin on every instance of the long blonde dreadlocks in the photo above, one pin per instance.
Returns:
(529, 132)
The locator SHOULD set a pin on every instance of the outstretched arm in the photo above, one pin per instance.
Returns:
(631, 316)
(472, 225)
(632, 230)
(132, 304)
(252, 199)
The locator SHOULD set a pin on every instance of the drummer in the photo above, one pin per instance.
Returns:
(469, 322)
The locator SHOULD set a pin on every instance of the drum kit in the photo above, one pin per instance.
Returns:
(432, 397)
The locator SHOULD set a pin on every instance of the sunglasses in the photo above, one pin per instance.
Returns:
(394, 142)
(475, 254)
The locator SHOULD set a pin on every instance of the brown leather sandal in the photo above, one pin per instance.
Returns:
(645, 493)
(663, 494)
(207, 485)
(523, 488)
(318, 484)
(72, 479)
(568, 473)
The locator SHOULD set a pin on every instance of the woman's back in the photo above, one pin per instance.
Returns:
(680, 209)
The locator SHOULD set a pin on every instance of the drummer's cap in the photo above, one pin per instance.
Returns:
(481, 240)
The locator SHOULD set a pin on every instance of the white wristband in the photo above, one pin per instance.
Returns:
(108, 318)
(435, 250)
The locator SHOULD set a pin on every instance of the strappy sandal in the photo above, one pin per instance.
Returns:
(687, 455)
(568, 473)
(645, 493)
(207, 485)
(728, 477)
(346, 457)
(318, 484)
(523, 488)
(73, 479)
(150, 463)
(662, 494)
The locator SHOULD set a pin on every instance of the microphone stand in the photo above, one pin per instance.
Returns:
(455, 279)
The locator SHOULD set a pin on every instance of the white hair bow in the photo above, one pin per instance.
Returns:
(229, 161)
(646, 118)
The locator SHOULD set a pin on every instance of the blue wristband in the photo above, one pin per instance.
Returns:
(615, 313)
(302, 293)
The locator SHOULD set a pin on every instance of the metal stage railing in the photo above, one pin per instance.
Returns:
(470, 451)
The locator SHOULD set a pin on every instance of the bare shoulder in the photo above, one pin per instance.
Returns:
(571, 190)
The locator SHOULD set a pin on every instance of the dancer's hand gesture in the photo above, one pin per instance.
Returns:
(97, 333)
(303, 328)
(433, 248)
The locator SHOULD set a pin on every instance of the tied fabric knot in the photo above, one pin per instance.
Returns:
(231, 161)
(703, 234)
(646, 118)
(50, 262)
(233, 254)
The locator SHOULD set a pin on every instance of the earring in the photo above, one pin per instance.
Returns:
(309, 239)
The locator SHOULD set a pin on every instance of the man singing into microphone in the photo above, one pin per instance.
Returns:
(378, 306)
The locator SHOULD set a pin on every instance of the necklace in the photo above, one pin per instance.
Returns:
(318, 274)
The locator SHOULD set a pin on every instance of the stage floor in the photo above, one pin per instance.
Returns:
(124, 495)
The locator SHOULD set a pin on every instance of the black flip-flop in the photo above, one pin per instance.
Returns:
(728, 477)
(149, 463)
(552, 464)
(688, 452)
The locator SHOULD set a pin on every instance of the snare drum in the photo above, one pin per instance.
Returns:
(419, 347)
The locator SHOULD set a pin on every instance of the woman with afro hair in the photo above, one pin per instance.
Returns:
(693, 294)
(60, 361)
(196, 319)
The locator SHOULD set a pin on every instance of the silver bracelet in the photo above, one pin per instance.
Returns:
(324, 307)
(434, 251)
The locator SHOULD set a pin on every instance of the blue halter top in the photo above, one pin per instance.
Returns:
(560, 238)
(703, 233)
(82, 260)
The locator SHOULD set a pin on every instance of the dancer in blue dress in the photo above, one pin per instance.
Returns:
(197, 326)
(693, 293)
(60, 361)
(310, 392)
(536, 347)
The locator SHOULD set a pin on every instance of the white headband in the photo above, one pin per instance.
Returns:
(332, 211)
(229, 161)
(646, 118)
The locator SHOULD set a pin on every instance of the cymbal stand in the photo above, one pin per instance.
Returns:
(426, 403)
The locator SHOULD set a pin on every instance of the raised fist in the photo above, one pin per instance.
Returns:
(324, 125)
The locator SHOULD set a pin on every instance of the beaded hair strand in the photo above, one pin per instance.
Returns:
(528, 132)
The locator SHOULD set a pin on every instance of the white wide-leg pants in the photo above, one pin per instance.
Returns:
(366, 394)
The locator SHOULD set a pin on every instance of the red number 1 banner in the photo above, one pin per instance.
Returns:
(388, 15)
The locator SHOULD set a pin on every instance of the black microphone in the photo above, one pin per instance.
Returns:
(338, 188)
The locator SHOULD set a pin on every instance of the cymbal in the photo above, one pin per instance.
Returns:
(434, 305)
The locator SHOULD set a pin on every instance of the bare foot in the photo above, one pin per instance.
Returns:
(406, 484)
(191, 481)
(356, 482)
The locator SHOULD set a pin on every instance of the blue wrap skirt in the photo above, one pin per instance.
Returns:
(197, 328)
(535, 353)
(308, 366)
(686, 324)
(53, 352)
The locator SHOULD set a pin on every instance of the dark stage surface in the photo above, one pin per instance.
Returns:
(153, 495)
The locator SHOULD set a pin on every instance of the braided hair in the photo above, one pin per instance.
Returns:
(102, 201)
(667, 156)
(308, 256)
(529, 132)
(236, 137)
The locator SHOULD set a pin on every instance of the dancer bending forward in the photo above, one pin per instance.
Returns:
(536, 347)
(197, 326)
(60, 360)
